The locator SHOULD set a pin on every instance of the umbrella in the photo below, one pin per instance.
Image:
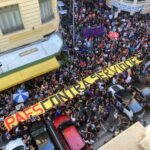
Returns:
(113, 35)
(20, 96)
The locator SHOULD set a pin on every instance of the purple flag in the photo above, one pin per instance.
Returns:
(90, 32)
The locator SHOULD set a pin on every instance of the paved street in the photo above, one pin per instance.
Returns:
(73, 73)
(147, 118)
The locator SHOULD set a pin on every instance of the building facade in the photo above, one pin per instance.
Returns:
(29, 40)
(131, 6)
(26, 21)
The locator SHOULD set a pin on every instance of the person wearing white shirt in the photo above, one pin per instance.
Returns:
(100, 85)
(129, 78)
(114, 80)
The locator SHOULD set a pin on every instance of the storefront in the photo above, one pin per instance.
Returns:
(30, 61)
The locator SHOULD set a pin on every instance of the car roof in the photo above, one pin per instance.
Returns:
(139, 85)
(124, 94)
(60, 120)
(47, 146)
(146, 92)
(73, 138)
(116, 88)
(35, 126)
(135, 106)
(14, 143)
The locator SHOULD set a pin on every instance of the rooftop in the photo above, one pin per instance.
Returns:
(134, 138)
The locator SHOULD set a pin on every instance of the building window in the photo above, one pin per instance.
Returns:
(10, 19)
(130, 0)
(46, 10)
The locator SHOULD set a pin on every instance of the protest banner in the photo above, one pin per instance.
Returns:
(127, 7)
(65, 95)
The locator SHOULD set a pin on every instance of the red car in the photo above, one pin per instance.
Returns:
(68, 131)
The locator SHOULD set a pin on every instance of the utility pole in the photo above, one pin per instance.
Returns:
(112, 9)
(73, 23)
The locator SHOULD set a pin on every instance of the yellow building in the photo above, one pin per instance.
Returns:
(28, 39)
(26, 21)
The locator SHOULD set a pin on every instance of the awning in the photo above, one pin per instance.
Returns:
(28, 73)
(30, 54)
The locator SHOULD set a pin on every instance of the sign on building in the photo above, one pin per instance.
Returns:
(127, 7)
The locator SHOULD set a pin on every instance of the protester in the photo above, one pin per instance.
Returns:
(92, 52)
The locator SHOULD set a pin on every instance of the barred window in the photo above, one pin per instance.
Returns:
(46, 10)
(10, 19)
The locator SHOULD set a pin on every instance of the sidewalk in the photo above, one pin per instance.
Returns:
(104, 136)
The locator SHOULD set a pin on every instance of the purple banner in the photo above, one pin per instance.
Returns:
(90, 32)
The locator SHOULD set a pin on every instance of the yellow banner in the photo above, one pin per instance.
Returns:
(65, 95)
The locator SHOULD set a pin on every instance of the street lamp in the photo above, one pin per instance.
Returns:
(73, 23)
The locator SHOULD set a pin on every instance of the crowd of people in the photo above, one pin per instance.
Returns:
(91, 108)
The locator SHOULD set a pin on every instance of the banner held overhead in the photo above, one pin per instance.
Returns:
(65, 95)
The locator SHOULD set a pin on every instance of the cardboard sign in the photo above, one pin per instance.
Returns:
(65, 95)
